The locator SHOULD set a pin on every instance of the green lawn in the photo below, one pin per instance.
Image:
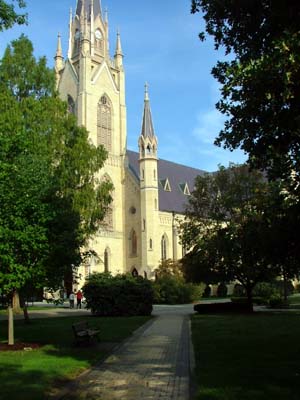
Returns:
(248, 357)
(29, 374)
(294, 300)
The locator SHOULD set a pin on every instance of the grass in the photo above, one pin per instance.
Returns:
(35, 308)
(30, 374)
(294, 300)
(247, 357)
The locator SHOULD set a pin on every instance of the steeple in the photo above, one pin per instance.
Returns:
(59, 59)
(58, 49)
(147, 125)
(118, 52)
(88, 6)
(70, 35)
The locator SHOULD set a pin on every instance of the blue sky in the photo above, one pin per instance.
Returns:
(161, 46)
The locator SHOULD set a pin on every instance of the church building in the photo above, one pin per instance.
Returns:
(149, 197)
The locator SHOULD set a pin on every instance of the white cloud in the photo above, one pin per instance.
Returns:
(208, 126)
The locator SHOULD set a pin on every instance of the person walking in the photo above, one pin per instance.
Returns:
(79, 297)
(72, 299)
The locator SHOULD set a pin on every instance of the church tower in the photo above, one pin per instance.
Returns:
(93, 85)
(149, 190)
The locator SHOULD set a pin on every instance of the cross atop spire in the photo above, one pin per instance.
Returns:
(147, 125)
(59, 48)
(146, 91)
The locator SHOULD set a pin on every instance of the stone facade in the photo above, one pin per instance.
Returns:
(149, 194)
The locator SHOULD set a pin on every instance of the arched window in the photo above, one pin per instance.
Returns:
(133, 243)
(164, 247)
(134, 272)
(150, 244)
(71, 105)
(98, 40)
(108, 222)
(104, 123)
(106, 259)
(77, 42)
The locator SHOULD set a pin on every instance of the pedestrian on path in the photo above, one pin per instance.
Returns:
(79, 297)
(72, 299)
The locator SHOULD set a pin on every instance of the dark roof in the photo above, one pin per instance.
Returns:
(87, 7)
(147, 125)
(176, 174)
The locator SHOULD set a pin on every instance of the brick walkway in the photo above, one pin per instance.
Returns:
(152, 364)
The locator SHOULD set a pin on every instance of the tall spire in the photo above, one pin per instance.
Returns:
(59, 60)
(70, 35)
(59, 53)
(87, 6)
(147, 125)
(118, 45)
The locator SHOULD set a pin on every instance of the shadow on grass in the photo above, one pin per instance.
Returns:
(30, 374)
(247, 357)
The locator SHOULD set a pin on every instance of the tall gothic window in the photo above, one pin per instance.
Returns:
(133, 243)
(164, 244)
(71, 105)
(104, 123)
(108, 220)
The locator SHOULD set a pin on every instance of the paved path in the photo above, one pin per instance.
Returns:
(153, 364)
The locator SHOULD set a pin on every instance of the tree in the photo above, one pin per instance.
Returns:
(260, 84)
(9, 16)
(230, 227)
(51, 199)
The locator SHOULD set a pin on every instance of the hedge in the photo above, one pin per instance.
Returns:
(120, 295)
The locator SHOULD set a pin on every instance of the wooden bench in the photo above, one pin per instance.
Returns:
(83, 333)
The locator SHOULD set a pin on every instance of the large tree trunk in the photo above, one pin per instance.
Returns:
(249, 289)
(16, 303)
(285, 288)
(11, 338)
(25, 309)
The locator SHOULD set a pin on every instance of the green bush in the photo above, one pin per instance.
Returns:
(243, 300)
(120, 295)
(169, 289)
(207, 291)
(222, 290)
(265, 290)
(276, 301)
(238, 290)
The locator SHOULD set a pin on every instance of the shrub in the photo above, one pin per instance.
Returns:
(222, 290)
(169, 289)
(120, 295)
(265, 290)
(207, 291)
(243, 300)
(276, 301)
(222, 308)
(238, 290)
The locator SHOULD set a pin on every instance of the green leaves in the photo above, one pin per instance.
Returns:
(9, 15)
(22, 74)
(260, 86)
(50, 199)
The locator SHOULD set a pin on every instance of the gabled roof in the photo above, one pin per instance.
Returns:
(176, 174)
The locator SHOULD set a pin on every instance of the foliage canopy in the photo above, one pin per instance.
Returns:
(260, 84)
(10, 16)
(51, 199)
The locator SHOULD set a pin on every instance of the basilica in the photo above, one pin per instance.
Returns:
(150, 194)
